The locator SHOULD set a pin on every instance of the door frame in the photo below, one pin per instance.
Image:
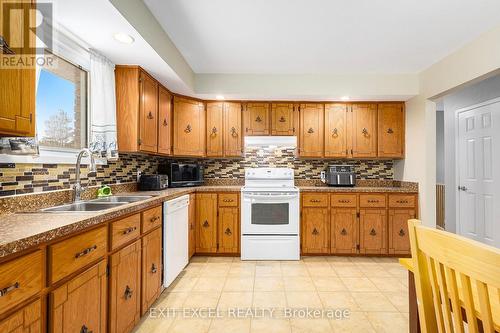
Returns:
(458, 227)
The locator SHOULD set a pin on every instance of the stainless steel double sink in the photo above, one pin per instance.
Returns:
(96, 204)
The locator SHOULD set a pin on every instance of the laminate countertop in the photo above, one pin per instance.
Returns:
(22, 231)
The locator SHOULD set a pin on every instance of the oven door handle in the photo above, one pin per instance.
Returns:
(270, 196)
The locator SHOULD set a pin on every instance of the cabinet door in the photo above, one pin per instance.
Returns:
(232, 130)
(164, 121)
(151, 268)
(206, 223)
(125, 288)
(192, 225)
(399, 242)
(344, 226)
(17, 86)
(256, 119)
(372, 231)
(315, 231)
(26, 320)
(336, 130)
(311, 130)
(229, 230)
(80, 304)
(189, 127)
(364, 130)
(148, 135)
(391, 130)
(214, 129)
(282, 119)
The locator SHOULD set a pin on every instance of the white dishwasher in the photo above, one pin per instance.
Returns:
(175, 238)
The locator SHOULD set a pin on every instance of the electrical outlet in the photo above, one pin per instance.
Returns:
(139, 173)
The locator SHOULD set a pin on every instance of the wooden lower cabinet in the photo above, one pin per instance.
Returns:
(80, 304)
(125, 288)
(26, 320)
(229, 231)
(151, 268)
(206, 223)
(372, 231)
(344, 230)
(399, 242)
(192, 225)
(315, 231)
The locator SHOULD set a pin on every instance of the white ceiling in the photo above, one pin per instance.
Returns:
(321, 36)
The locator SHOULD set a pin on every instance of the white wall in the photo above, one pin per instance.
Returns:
(440, 147)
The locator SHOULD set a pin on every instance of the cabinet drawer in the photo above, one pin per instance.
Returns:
(401, 200)
(20, 279)
(372, 200)
(228, 200)
(315, 200)
(125, 230)
(76, 252)
(151, 218)
(343, 200)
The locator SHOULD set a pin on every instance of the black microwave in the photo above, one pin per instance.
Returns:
(180, 175)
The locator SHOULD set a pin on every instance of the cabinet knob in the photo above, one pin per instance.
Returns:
(153, 269)
(128, 293)
(258, 119)
(282, 119)
(315, 231)
(85, 329)
(165, 122)
(228, 232)
(310, 130)
(150, 115)
(214, 131)
(373, 232)
(335, 133)
(390, 131)
(188, 129)
(343, 232)
(402, 233)
(364, 131)
(233, 132)
(205, 224)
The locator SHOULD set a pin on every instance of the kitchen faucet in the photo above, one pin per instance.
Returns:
(78, 189)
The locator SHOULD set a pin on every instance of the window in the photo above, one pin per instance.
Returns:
(61, 106)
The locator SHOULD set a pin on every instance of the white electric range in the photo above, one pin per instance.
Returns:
(270, 215)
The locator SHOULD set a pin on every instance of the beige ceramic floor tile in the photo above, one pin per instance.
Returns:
(235, 299)
(269, 283)
(386, 260)
(216, 269)
(358, 284)
(220, 259)
(270, 325)
(209, 284)
(191, 325)
(239, 284)
(230, 325)
(338, 259)
(338, 300)
(357, 322)
(198, 259)
(303, 299)
(328, 283)
(172, 300)
(399, 272)
(374, 271)
(310, 325)
(314, 259)
(399, 300)
(388, 284)
(269, 269)
(269, 299)
(183, 284)
(202, 299)
(347, 270)
(299, 283)
(294, 270)
(388, 322)
(321, 270)
(241, 270)
(373, 301)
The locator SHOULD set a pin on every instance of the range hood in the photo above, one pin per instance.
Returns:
(271, 141)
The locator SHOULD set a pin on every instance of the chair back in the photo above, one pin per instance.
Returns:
(456, 280)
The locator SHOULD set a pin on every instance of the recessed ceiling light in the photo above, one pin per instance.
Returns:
(124, 38)
(219, 97)
(344, 98)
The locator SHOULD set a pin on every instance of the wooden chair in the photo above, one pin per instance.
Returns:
(457, 281)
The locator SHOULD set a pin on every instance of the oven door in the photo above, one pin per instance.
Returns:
(270, 213)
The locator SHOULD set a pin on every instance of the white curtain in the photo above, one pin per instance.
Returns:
(102, 107)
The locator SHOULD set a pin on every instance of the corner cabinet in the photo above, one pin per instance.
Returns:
(164, 121)
(189, 127)
(311, 141)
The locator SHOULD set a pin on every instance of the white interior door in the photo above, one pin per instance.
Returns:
(478, 172)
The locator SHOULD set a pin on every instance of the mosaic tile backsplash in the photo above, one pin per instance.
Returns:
(29, 178)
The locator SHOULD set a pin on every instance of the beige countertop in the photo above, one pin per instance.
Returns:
(22, 231)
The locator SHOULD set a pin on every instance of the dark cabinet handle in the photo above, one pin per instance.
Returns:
(233, 132)
(85, 329)
(335, 133)
(364, 131)
(129, 230)
(258, 119)
(153, 269)
(373, 232)
(344, 201)
(214, 130)
(314, 200)
(153, 219)
(390, 131)
(8, 289)
(128, 293)
(282, 119)
(315, 231)
(401, 233)
(402, 201)
(205, 224)
(228, 200)
(372, 201)
(85, 252)
(188, 129)
(228, 232)
(150, 115)
(343, 232)
(310, 130)
(165, 122)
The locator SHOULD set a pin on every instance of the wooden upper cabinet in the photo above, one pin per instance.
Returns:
(80, 305)
(282, 119)
(233, 138)
(206, 223)
(189, 127)
(256, 119)
(17, 86)
(391, 130)
(215, 111)
(311, 130)
(164, 121)
(336, 130)
(364, 130)
(148, 133)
